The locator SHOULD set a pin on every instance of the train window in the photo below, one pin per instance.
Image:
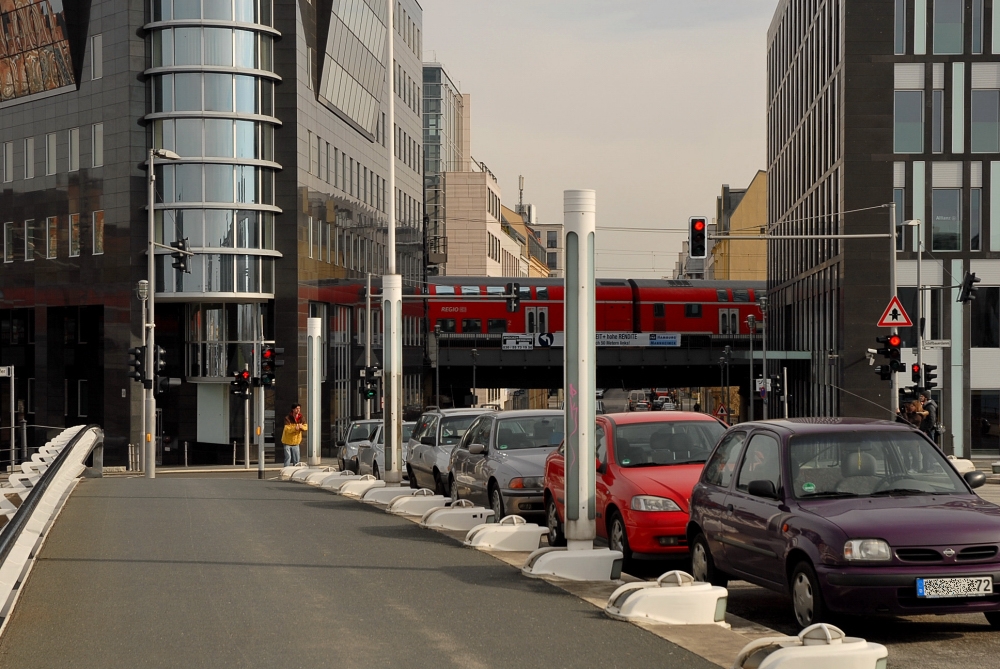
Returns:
(741, 295)
(447, 324)
(444, 290)
(495, 290)
(541, 293)
(723, 296)
(470, 290)
(496, 325)
(692, 310)
(659, 310)
(470, 325)
(525, 292)
(531, 320)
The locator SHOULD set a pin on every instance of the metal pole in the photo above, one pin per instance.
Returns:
(784, 390)
(24, 440)
(141, 449)
(259, 400)
(150, 401)
(475, 398)
(314, 342)
(920, 301)
(751, 372)
(580, 367)
(13, 439)
(246, 430)
(893, 392)
(764, 380)
(368, 337)
(437, 365)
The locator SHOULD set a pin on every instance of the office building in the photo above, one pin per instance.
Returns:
(277, 110)
(741, 211)
(871, 103)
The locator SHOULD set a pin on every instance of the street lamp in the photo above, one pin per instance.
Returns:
(437, 364)
(762, 302)
(475, 399)
(918, 224)
(150, 401)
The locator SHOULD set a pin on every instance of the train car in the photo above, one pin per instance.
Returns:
(453, 305)
(694, 307)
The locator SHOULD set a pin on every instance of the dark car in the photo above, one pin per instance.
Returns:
(501, 461)
(847, 515)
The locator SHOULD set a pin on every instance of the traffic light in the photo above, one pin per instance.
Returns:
(915, 373)
(890, 349)
(162, 383)
(370, 374)
(268, 362)
(137, 362)
(158, 362)
(180, 259)
(513, 291)
(884, 372)
(929, 377)
(697, 234)
(777, 390)
(969, 288)
(240, 385)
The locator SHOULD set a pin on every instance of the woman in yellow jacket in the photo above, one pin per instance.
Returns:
(291, 436)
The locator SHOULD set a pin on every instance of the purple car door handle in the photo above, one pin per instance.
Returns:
(729, 508)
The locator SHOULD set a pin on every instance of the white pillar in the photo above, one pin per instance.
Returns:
(392, 375)
(580, 364)
(314, 376)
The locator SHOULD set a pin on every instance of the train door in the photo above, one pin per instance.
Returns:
(729, 321)
(531, 320)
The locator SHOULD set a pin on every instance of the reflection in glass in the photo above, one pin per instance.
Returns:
(246, 95)
(246, 274)
(219, 273)
(189, 225)
(246, 184)
(187, 91)
(219, 46)
(188, 182)
(946, 219)
(187, 43)
(246, 229)
(908, 123)
(948, 15)
(267, 224)
(246, 140)
(985, 132)
(188, 137)
(219, 137)
(267, 97)
(163, 93)
(192, 282)
(267, 142)
(218, 92)
(245, 11)
(187, 9)
(975, 218)
(218, 183)
(219, 228)
(267, 275)
(246, 49)
(220, 10)
(937, 122)
(985, 318)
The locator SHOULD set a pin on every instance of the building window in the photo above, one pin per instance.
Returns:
(98, 232)
(900, 27)
(551, 240)
(985, 324)
(74, 235)
(975, 219)
(977, 26)
(948, 26)
(50, 154)
(97, 56)
(946, 219)
(30, 230)
(899, 197)
(8, 162)
(74, 149)
(985, 417)
(8, 242)
(98, 144)
(908, 125)
(309, 233)
(29, 158)
(985, 133)
(937, 122)
(551, 261)
(51, 237)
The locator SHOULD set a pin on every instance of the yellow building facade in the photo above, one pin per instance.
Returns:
(744, 259)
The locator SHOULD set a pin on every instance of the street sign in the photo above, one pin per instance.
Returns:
(638, 339)
(721, 412)
(546, 339)
(894, 315)
(937, 343)
(6, 372)
(518, 342)
(762, 386)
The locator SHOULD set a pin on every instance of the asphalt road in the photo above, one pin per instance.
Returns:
(227, 572)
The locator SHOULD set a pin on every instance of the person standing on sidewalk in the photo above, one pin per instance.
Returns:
(291, 436)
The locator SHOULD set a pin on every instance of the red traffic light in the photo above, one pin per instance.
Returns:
(895, 341)
(268, 353)
(245, 374)
(699, 226)
(915, 368)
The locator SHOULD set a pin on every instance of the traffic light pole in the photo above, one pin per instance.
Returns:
(920, 300)
(149, 403)
(893, 385)
(259, 402)
(246, 430)
(368, 337)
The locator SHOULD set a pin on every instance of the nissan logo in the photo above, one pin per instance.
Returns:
(948, 552)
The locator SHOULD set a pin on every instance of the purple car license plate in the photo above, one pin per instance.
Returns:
(969, 586)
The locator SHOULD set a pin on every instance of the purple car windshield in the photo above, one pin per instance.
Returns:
(869, 464)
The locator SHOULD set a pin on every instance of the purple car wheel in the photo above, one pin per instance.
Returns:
(807, 599)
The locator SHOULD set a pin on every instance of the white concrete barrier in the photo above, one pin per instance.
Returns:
(417, 504)
(316, 477)
(675, 598)
(512, 533)
(357, 489)
(461, 516)
(818, 646)
(337, 479)
(286, 472)
(595, 564)
(385, 495)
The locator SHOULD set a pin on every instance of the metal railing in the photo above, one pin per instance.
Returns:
(25, 439)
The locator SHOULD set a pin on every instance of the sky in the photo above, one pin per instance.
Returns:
(652, 103)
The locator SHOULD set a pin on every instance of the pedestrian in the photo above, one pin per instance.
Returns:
(929, 424)
(697, 407)
(291, 436)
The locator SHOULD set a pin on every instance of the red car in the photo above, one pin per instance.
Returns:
(649, 464)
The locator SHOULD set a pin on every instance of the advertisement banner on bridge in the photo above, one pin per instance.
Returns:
(638, 339)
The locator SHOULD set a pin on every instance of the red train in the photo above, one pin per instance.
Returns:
(623, 305)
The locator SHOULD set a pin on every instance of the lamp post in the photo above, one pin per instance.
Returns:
(437, 364)
(150, 402)
(752, 325)
(475, 399)
(917, 223)
(762, 300)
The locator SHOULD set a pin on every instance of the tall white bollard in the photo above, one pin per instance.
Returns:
(392, 375)
(580, 365)
(314, 377)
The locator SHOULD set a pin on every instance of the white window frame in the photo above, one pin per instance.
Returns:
(8, 162)
(97, 145)
(51, 155)
(93, 232)
(97, 57)
(29, 158)
(51, 249)
(74, 150)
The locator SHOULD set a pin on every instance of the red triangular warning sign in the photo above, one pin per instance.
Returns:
(895, 316)
(721, 411)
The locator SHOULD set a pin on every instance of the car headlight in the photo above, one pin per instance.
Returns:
(867, 550)
(651, 503)
(522, 482)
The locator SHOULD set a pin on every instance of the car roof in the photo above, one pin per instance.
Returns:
(366, 421)
(827, 425)
(633, 418)
(527, 413)
(457, 412)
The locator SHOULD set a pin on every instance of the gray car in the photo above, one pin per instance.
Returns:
(371, 454)
(501, 461)
(358, 431)
(437, 433)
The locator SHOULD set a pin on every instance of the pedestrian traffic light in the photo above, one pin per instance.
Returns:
(162, 383)
(915, 373)
(158, 362)
(884, 372)
(969, 288)
(268, 362)
(929, 377)
(240, 385)
(697, 234)
(180, 256)
(513, 291)
(777, 389)
(370, 374)
(137, 361)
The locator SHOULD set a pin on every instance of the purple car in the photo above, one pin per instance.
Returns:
(848, 516)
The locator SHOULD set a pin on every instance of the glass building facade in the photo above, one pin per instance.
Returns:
(444, 118)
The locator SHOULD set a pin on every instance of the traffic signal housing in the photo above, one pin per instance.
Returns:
(137, 361)
(929, 377)
(240, 385)
(777, 389)
(158, 360)
(890, 349)
(969, 288)
(268, 362)
(697, 237)
(513, 291)
(370, 376)
(915, 373)
(180, 256)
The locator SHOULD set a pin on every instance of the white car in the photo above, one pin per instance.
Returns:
(429, 453)
(357, 432)
(371, 455)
